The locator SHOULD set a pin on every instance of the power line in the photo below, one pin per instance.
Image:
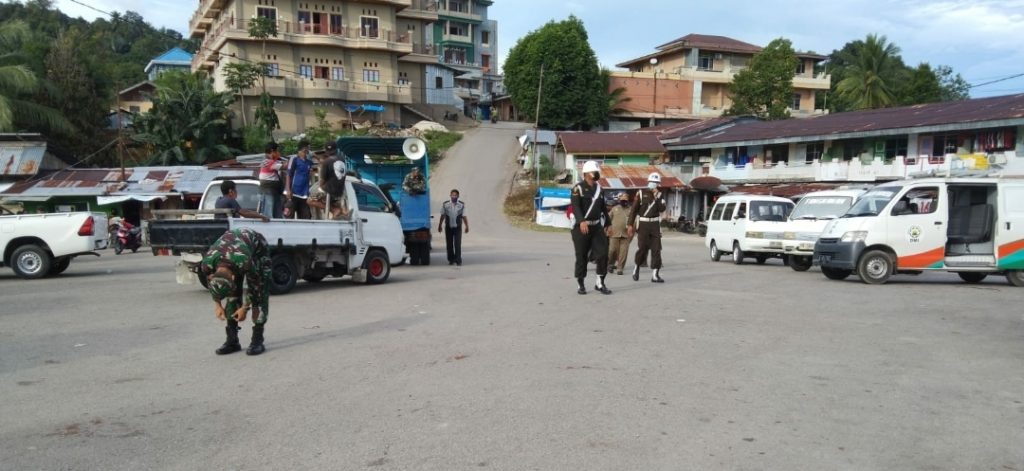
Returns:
(998, 80)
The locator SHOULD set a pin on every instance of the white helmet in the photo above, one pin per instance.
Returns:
(654, 178)
(591, 166)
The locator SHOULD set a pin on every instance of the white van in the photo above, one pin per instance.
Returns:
(747, 226)
(971, 226)
(809, 218)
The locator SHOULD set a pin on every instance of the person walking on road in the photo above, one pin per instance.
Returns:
(453, 223)
(645, 217)
(589, 233)
(618, 250)
(297, 179)
(237, 271)
(270, 183)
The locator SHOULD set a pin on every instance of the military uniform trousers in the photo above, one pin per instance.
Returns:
(648, 238)
(593, 243)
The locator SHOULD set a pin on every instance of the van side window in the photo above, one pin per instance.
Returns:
(727, 215)
(742, 212)
(924, 200)
(716, 214)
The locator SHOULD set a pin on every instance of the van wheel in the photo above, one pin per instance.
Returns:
(31, 262)
(1015, 277)
(972, 276)
(283, 274)
(875, 267)
(835, 273)
(377, 266)
(59, 266)
(761, 259)
(800, 263)
(715, 254)
(737, 253)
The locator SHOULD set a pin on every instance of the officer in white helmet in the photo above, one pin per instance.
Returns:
(589, 233)
(645, 221)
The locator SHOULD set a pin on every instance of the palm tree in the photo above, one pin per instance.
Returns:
(18, 83)
(871, 74)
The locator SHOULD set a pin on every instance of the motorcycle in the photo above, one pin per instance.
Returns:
(685, 225)
(127, 237)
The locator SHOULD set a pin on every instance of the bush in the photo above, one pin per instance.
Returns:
(438, 142)
(547, 169)
(254, 139)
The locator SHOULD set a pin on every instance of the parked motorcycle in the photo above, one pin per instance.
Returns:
(686, 225)
(127, 237)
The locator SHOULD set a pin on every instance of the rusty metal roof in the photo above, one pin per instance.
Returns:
(611, 143)
(866, 122)
(103, 182)
(628, 177)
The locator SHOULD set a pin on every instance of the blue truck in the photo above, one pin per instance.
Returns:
(386, 161)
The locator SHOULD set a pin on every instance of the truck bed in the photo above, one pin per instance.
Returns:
(196, 235)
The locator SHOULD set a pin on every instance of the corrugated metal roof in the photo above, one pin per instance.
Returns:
(107, 182)
(610, 143)
(21, 158)
(628, 177)
(1010, 107)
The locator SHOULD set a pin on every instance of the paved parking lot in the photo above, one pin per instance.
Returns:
(499, 364)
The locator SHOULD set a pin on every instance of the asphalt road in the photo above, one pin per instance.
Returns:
(498, 364)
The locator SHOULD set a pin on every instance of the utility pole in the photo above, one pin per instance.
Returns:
(120, 133)
(536, 124)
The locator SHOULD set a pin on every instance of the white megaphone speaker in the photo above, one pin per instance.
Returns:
(414, 148)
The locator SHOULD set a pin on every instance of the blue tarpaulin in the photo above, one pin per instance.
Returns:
(552, 198)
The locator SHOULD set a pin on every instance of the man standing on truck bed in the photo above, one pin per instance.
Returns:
(453, 221)
(229, 200)
(270, 183)
(300, 169)
(237, 271)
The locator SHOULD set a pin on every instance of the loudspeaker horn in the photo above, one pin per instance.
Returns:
(414, 148)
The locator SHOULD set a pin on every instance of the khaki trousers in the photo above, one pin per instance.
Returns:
(618, 251)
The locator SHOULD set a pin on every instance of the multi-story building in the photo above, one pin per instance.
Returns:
(174, 59)
(361, 58)
(689, 78)
(467, 41)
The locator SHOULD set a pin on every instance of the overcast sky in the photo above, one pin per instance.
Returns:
(980, 39)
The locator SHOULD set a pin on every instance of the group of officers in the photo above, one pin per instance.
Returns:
(594, 224)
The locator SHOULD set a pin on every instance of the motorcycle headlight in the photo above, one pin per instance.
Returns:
(854, 236)
(755, 235)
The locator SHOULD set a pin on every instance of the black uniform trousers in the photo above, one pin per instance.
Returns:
(648, 237)
(592, 244)
(453, 240)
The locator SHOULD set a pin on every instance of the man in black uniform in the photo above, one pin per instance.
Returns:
(589, 231)
(645, 220)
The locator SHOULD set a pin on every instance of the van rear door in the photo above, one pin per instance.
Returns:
(1010, 226)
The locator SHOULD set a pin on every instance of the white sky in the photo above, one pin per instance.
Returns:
(980, 39)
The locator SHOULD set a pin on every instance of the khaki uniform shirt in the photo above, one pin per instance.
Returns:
(620, 220)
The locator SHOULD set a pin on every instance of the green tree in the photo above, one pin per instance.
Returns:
(262, 28)
(765, 88)
(616, 97)
(953, 86)
(241, 76)
(188, 122)
(74, 91)
(873, 71)
(18, 108)
(920, 85)
(574, 96)
(266, 117)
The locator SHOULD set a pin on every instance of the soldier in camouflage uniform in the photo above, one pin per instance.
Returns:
(237, 270)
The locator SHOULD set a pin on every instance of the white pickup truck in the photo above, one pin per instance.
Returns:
(39, 245)
(364, 246)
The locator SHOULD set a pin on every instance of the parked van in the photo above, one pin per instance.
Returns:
(809, 218)
(971, 226)
(747, 226)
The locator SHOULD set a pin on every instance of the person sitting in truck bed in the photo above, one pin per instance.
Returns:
(415, 183)
(229, 193)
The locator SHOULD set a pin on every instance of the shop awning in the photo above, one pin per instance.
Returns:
(708, 183)
(105, 200)
(29, 199)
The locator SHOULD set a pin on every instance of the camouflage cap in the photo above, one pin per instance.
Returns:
(220, 287)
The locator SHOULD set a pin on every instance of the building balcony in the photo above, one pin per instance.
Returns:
(343, 90)
(815, 82)
(420, 10)
(421, 54)
(725, 75)
(461, 16)
(461, 38)
(202, 18)
(856, 170)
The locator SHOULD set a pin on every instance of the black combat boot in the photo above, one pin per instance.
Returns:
(231, 345)
(256, 345)
(582, 289)
(656, 276)
(636, 272)
(600, 287)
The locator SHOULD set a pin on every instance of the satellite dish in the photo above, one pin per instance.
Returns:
(414, 148)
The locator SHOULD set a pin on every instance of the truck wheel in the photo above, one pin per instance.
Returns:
(1015, 277)
(61, 264)
(715, 254)
(800, 263)
(737, 253)
(31, 262)
(835, 273)
(424, 254)
(283, 274)
(761, 259)
(972, 276)
(875, 267)
(377, 266)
